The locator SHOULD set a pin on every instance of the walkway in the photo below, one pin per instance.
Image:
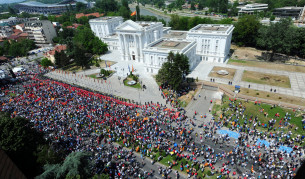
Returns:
(297, 79)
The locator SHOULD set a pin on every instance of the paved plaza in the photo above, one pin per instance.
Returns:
(297, 80)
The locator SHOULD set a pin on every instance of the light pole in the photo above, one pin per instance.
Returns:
(119, 78)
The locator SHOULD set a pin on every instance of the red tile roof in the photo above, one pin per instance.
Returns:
(58, 48)
(96, 14)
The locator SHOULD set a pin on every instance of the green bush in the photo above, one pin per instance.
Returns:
(163, 153)
(46, 62)
(280, 97)
(257, 93)
(97, 65)
(209, 173)
(268, 95)
(174, 157)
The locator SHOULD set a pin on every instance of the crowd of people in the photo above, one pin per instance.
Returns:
(76, 119)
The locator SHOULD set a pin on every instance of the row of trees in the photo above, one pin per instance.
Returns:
(25, 146)
(174, 70)
(13, 48)
(282, 37)
(81, 45)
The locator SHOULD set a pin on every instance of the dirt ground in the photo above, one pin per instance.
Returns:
(265, 78)
(245, 53)
(249, 53)
(215, 69)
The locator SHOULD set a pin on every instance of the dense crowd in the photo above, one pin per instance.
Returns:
(75, 119)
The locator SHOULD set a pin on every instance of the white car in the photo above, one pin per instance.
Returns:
(19, 69)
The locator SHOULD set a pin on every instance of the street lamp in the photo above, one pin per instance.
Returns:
(119, 78)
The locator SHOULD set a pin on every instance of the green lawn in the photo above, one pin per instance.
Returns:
(138, 85)
(12, 94)
(236, 61)
(252, 109)
(93, 76)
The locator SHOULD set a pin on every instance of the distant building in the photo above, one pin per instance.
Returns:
(283, 12)
(6, 31)
(252, 8)
(42, 32)
(34, 7)
(51, 54)
(14, 20)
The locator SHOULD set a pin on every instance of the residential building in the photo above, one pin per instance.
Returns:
(6, 31)
(252, 8)
(51, 54)
(42, 32)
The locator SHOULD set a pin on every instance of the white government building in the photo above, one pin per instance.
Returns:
(149, 42)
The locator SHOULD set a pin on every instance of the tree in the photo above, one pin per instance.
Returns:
(138, 13)
(107, 5)
(80, 6)
(173, 71)
(81, 59)
(279, 37)
(124, 12)
(46, 62)
(174, 22)
(246, 31)
(61, 59)
(75, 164)
(11, 10)
(20, 141)
(193, 6)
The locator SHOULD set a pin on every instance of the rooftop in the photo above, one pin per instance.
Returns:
(105, 18)
(176, 34)
(212, 28)
(171, 44)
(289, 8)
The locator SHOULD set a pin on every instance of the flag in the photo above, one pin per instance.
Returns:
(106, 64)
(252, 169)
(133, 13)
(128, 68)
(132, 69)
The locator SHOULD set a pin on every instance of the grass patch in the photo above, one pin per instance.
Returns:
(267, 65)
(12, 94)
(93, 76)
(232, 61)
(259, 110)
(267, 79)
(214, 73)
(138, 85)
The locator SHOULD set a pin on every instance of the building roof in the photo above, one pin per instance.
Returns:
(96, 14)
(58, 48)
(171, 44)
(289, 8)
(3, 58)
(176, 34)
(212, 28)
(39, 4)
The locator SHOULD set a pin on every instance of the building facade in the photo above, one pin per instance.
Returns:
(42, 32)
(252, 8)
(284, 12)
(213, 41)
(155, 54)
(134, 36)
(6, 31)
(149, 42)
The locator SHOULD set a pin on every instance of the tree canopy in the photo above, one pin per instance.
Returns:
(75, 164)
(246, 30)
(174, 70)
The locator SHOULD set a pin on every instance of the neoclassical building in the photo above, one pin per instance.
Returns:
(149, 42)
